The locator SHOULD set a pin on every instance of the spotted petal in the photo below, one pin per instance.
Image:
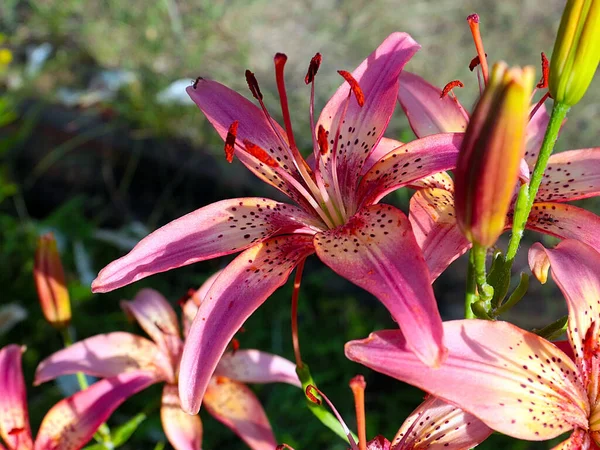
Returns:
(434, 224)
(73, 421)
(514, 381)
(107, 355)
(437, 425)
(14, 417)
(363, 127)
(571, 176)
(234, 404)
(218, 229)
(384, 146)
(411, 162)
(241, 288)
(377, 251)
(254, 366)
(574, 266)
(565, 222)
(183, 431)
(154, 314)
(427, 111)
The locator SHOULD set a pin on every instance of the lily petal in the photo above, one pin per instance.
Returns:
(73, 421)
(383, 147)
(413, 161)
(579, 440)
(154, 314)
(377, 250)
(241, 288)
(236, 406)
(254, 366)
(14, 417)
(574, 267)
(437, 425)
(218, 229)
(565, 222)
(427, 111)
(571, 175)
(539, 262)
(534, 135)
(438, 180)
(434, 224)
(363, 126)
(514, 381)
(107, 355)
(183, 431)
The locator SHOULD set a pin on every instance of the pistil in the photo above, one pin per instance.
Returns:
(473, 20)
(358, 386)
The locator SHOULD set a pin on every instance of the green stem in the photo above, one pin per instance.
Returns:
(103, 435)
(471, 295)
(525, 201)
(486, 292)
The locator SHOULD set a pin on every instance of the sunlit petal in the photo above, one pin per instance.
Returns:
(73, 421)
(409, 163)
(234, 404)
(579, 440)
(434, 224)
(377, 251)
(241, 288)
(539, 262)
(514, 381)
(383, 147)
(427, 111)
(218, 229)
(183, 430)
(254, 366)
(107, 355)
(14, 417)
(437, 425)
(364, 126)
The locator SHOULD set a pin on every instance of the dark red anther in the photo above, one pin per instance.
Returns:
(358, 93)
(313, 68)
(230, 141)
(450, 86)
(543, 84)
(283, 446)
(185, 297)
(259, 154)
(196, 81)
(473, 18)
(475, 62)
(322, 140)
(253, 85)
(235, 345)
(312, 397)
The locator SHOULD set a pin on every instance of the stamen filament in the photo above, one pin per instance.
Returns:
(295, 294)
(280, 60)
(358, 385)
(316, 400)
(539, 104)
(473, 20)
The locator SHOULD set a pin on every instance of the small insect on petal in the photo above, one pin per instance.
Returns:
(259, 154)
(253, 85)
(322, 140)
(230, 141)
(196, 81)
(313, 68)
(358, 93)
(453, 84)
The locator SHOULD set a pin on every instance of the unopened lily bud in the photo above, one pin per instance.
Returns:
(50, 283)
(488, 163)
(576, 51)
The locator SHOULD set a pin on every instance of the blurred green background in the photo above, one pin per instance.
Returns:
(99, 144)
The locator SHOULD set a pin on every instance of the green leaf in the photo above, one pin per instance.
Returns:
(122, 433)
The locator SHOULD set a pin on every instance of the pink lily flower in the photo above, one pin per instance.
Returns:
(69, 424)
(227, 398)
(338, 216)
(514, 381)
(570, 175)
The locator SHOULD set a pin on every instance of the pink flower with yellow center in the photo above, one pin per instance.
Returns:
(338, 216)
(69, 424)
(512, 380)
(227, 398)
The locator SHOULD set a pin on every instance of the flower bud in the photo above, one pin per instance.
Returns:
(50, 283)
(576, 51)
(488, 163)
